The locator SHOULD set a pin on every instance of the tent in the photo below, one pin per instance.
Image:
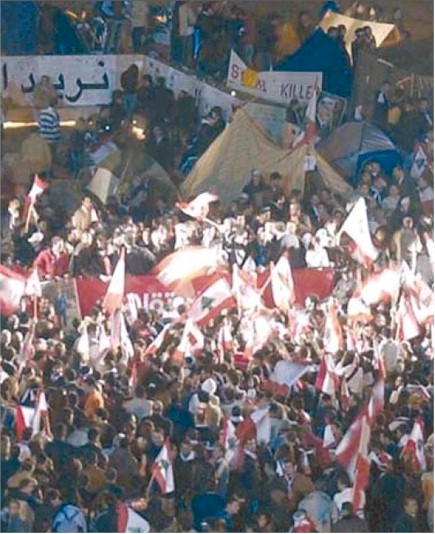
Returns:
(225, 167)
(352, 145)
(320, 53)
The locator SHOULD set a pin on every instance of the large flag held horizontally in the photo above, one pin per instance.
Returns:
(162, 470)
(12, 289)
(356, 226)
(211, 302)
(115, 292)
(199, 207)
(186, 265)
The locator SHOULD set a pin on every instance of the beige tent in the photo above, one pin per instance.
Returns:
(225, 168)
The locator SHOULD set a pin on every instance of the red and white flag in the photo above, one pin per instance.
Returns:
(157, 343)
(333, 335)
(115, 292)
(33, 285)
(186, 265)
(310, 133)
(224, 340)
(27, 416)
(382, 286)
(413, 451)
(12, 290)
(281, 279)
(408, 326)
(119, 336)
(327, 380)
(192, 341)
(244, 287)
(257, 426)
(356, 227)
(362, 468)
(162, 470)
(211, 302)
(347, 450)
(38, 187)
(199, 207)
(288, 372)
(130, 521)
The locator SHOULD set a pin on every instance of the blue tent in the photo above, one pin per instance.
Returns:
(320, 53)
(351, 146)
(19, 28)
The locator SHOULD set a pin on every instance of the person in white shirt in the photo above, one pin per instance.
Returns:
(186, 23)
(316, 255)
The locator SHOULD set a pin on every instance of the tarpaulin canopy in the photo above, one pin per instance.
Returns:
(349, 147)
(320, 53)
(225, 168)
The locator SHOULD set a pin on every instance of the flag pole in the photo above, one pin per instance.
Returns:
(29, 214)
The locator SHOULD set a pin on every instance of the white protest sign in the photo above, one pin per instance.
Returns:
(279, 87)
(79, 80)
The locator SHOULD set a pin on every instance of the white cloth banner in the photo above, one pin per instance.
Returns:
(281, 87)
(79, 80)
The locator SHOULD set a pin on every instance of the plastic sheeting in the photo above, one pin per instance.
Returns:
(320, 53)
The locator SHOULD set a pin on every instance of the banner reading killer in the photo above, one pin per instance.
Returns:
(151, 294)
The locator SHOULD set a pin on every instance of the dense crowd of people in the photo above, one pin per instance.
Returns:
(108, 418)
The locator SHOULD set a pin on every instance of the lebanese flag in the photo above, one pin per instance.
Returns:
(257, 426)
(377, 399)
(211, 302)
(328, 437)
(115, 292)
(348, 448)
(192, 340)
(162, 471)
(28, 350)
(362, 468)
(130, 521)
(356, 227)
(418, 390)
(27, 416)
(407, 323)
(244, 287)
(378, 360)
(358, 311)
(12, 290)
(33, 285)
(104, 344)
(382, 286)
(199, 207)
(38, 187)
(419, 163)
(281, 280)
(288, 372)
(157, 342)
(119, 336)
(413, 451)
(333, 336)
(186, 265)
(327, 380)
(224, 341)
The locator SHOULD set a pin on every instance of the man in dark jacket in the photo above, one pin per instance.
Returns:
(349, 522)
(407, 521)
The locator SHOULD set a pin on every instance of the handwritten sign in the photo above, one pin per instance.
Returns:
(281, 87)
(79, 80)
